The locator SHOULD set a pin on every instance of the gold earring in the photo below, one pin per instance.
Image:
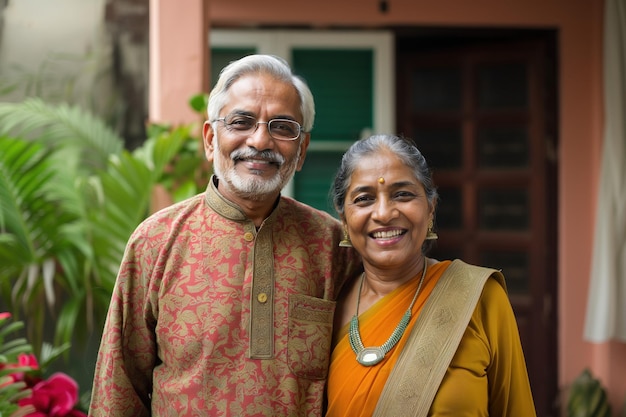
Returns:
(430, 235)
(345, 242)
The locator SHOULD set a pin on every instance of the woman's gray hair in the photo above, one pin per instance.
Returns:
(261, 64)
(403, 148)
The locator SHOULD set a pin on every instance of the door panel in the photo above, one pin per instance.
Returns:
(480, 110)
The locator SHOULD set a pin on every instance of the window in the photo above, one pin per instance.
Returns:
(351, 77)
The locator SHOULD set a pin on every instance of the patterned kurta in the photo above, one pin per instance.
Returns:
(211, 317)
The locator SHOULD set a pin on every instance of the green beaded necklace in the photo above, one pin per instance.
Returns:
(369, 356)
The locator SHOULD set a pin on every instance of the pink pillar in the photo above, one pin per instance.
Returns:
(178, 56)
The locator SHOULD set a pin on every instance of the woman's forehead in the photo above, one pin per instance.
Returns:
(383, 167)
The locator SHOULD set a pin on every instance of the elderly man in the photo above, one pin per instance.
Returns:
(224, 303)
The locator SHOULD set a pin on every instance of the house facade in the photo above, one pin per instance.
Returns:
(504, 98)
(517, 86)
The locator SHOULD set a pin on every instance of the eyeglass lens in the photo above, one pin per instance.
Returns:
(283, 129)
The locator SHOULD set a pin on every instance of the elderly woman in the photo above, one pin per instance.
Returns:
(416, 336)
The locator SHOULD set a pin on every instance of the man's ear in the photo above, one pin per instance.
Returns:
(208, 136)
(303, 147)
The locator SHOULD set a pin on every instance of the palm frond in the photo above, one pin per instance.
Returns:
(70, 196)
(128, 184)
(36, 212)
(61, 126)
(27, 213)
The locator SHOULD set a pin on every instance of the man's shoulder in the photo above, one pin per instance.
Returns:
(171, 214)
(297, 209)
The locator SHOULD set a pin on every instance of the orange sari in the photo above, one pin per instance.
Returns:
(353, 389)
(486, 377)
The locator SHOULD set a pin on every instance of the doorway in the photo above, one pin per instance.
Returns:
(481, 106)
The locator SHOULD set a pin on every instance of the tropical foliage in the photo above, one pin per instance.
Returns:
(24, 390)
(70, 196)
(587, 397)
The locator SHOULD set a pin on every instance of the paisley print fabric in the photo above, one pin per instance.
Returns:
(211, 317)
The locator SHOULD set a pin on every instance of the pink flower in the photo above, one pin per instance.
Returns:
(23, 360)
(5, 315)
(27, 359)
(55, 397)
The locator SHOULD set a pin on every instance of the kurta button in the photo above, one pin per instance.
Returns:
(262, 297)
(248, 236)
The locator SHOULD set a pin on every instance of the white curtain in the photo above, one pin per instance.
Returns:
(606, 308)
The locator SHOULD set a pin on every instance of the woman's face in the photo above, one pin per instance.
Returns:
(387, 212)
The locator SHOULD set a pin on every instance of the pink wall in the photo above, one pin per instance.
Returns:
(177, 58)
(580, 114)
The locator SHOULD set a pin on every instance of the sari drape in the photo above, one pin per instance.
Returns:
(353, 388)
(486, 377)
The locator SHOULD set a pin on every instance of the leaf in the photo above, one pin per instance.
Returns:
(16, 347)
(199, 102)
(66, 323)
(50, 353)
(61, 126)
(587, 397)
(9, 329)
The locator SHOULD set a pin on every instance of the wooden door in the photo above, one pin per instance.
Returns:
(481, 109)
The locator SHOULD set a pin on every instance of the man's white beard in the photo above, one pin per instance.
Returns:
(252, 188)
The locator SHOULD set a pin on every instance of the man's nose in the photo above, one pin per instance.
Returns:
(260, 138)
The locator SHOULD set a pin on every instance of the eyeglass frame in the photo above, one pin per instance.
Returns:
(257, 123)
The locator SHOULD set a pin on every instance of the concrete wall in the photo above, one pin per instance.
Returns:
(93, 53)
(51, 41)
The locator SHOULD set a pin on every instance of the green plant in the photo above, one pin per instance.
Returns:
(188, 172)
(11, 389)
(24, 388)
(70, 196)
(587, 398)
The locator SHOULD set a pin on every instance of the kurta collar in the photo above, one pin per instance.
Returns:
(227, 208)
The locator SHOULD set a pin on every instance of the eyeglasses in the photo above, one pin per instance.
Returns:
(280, 129)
